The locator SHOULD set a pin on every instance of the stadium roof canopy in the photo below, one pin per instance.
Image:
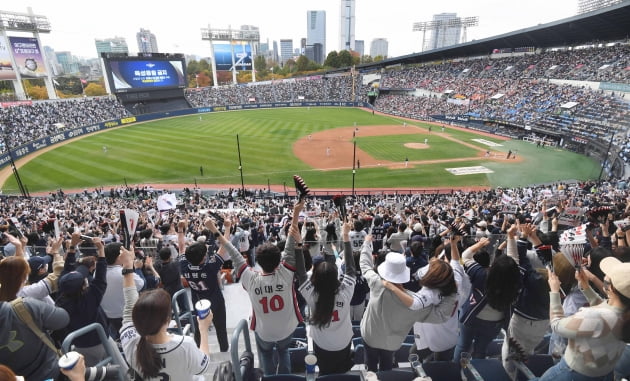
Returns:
(604, 25)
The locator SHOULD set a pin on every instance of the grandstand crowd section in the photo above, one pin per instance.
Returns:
(552, 94)
(554, 97)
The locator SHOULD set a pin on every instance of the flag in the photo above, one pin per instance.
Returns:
(129, 221)
(167, 201)
(505, 198)
(83, 81)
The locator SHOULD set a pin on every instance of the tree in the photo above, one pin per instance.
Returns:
(289, 65)
(192, 67)
(260, 64)
(332, 59)
(366, 59)
(94, 90)
(202, 79)
(345, 59)
(302, 63)
(378, 58)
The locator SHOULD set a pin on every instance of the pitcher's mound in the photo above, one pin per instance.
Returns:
(416, 145)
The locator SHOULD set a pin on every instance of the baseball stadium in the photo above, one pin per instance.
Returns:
(504, 159)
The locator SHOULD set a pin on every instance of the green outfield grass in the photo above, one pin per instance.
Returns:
(172, 150)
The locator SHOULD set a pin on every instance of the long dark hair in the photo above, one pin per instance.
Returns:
(311, 230)
(150, 313)
(331, 233)
(326, 284)
(503, 283)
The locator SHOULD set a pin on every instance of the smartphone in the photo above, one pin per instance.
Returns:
(86, 238)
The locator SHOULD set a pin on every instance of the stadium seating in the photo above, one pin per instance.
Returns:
(112, 358)
(183, 318)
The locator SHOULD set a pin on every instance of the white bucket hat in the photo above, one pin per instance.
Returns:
(618, 272)
(394, 269)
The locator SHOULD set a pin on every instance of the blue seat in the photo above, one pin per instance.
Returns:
(396, 375)
(359, 354)
(183, 317)
(402, 354)
(300, 332)
(113, 358)
(410, 339)
(537, 364)
(494, 348)
(442, 370)
(357, 341)
(297, 358)
(356, 331)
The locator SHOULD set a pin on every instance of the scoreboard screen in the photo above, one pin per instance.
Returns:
(129, 74)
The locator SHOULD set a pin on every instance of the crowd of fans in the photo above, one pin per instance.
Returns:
(22, 124)
(391, 252)
(514, 90)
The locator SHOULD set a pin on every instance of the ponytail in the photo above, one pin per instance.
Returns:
(149, 361)
(150, 313)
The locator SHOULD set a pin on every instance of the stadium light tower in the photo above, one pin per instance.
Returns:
(231, 35)
(26, 23)
(443, 25)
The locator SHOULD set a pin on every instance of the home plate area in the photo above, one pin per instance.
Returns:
(469, 170)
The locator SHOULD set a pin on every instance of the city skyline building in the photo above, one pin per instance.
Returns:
(347, 25)
(67, 63)
(359, 47)
(379, 47)
(147, 43)
(286, 50)
(316, 34)
(111, 45)
(448, 34)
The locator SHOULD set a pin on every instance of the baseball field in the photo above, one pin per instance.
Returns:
(317, 143)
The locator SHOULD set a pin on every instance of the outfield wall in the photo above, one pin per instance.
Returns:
(71, 133)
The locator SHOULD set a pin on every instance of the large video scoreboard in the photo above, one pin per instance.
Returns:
(143, 73)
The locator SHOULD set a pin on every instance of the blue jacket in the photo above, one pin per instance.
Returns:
(86, 309)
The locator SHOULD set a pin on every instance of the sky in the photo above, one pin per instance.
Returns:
(177, 26)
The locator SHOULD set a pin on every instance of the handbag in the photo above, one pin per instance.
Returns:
(24, 315)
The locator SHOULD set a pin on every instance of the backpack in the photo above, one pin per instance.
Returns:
(249, 373)
(225, 370)
(361, 289)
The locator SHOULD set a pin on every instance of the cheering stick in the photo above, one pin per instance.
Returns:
(301, 187)
(575, 252)
(545, 255)
(340, 203)
(516, 350)
(456, 230)
(126, 232)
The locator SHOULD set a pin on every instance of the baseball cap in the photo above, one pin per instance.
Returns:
(317, 259)
(482, 224)
(73, 281)
(618, 272)
(37, 262)
(417, 227)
